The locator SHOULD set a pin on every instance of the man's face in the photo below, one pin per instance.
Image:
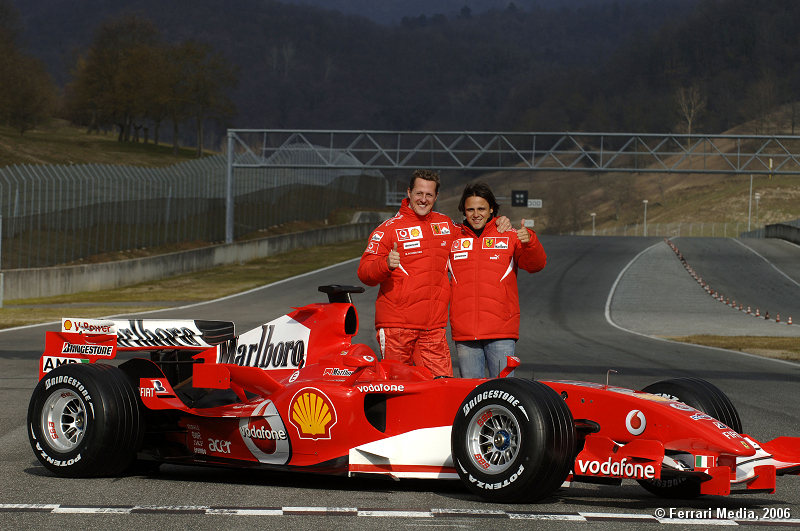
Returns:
(422, 197)
(477, 211)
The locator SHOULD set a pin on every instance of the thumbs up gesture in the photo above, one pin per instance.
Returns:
(522, 233)
(393, 258)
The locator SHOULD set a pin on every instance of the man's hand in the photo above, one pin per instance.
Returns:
(522, 233)
(503, 224)
(393, 258)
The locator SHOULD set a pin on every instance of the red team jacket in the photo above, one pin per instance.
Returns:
(485, 301)
(416, 294)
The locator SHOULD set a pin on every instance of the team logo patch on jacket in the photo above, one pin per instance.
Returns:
(461, 244)
(372, 248)
(495, 243)
(440, 228)
(409, 233)
(377, 236)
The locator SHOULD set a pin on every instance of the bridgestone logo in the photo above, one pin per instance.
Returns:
(261, 433)
(499, 485)
(94, 350)
(68, 380)
(486, 395)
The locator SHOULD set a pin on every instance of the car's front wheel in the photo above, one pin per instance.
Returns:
(513, 440)
(703, 396)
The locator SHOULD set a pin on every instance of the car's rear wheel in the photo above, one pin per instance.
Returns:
(84, 420)
(513, 440)
(704, 397)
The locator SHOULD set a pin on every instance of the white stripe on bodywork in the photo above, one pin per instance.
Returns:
(423, 447)
(403, 270)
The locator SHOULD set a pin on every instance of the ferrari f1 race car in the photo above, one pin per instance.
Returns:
(296, 394)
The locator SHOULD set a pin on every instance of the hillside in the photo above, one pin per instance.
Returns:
(57, 142)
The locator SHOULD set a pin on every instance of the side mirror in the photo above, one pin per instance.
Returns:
(512, 362)
(359, 361)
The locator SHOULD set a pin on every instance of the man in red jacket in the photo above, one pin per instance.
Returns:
(484, 304)
(407, 255)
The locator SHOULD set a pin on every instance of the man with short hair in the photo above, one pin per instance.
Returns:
(407, 255)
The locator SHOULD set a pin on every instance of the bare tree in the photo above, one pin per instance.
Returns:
(691, 103)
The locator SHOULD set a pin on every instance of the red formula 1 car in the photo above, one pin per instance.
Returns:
(297, 394)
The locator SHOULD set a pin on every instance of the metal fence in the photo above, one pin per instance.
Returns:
(686, 229)
(57, 214)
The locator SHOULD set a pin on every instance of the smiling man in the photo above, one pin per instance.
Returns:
(484, 305)
(407, 255)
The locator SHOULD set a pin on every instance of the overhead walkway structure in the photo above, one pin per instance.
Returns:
(483, 151)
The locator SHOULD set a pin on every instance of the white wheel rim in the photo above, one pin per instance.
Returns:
(63, 420)
(493, 439)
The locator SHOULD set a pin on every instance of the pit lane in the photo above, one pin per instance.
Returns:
(592, 309)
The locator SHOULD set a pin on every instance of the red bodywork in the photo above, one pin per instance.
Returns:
(307, 398)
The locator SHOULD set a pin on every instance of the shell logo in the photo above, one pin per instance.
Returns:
(312, 413)
(67, 324)
(466, 244)
(415, 232)
(635, 422)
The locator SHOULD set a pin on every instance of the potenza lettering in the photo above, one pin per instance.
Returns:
(499, 485)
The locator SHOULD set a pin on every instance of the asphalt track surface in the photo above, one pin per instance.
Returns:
(599, 304)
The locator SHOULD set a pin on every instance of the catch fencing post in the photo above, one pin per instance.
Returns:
(229, 192)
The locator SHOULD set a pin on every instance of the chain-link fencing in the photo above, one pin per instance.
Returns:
(58, 214)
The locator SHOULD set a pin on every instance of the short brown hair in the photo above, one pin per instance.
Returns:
(427, 175)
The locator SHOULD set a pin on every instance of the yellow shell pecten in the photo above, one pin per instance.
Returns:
(311, 414)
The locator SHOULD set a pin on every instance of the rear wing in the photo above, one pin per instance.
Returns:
(147, 334)
(90, 340)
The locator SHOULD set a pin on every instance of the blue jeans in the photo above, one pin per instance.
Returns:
(475, 356)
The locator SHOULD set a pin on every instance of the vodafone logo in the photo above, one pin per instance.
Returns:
(264, 434)
(635, 422)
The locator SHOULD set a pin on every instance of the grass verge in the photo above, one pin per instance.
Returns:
(783, 348)
(178, 290)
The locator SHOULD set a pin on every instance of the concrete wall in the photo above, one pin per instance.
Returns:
(50, 281)
(783, 231)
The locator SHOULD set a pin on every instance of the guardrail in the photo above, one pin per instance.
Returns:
(51, 281)
(784, 231)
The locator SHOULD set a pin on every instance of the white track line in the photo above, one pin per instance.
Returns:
(194, 304)
(773, 266)
(615, 325)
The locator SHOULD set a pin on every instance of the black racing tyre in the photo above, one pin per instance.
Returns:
(704, 397)
(84, 420)
(513, 440)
